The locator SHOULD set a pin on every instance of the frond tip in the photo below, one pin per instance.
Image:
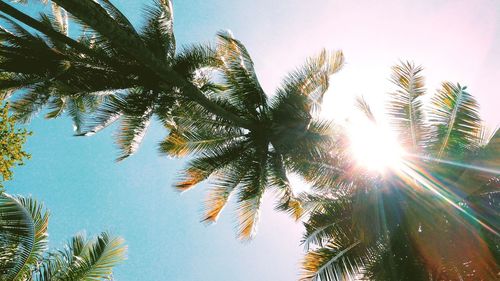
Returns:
(331, 263)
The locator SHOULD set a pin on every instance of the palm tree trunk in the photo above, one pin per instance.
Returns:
(96, 17)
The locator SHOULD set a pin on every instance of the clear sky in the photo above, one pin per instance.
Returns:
(85, 189)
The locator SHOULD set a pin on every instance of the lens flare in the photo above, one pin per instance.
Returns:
(374, 147)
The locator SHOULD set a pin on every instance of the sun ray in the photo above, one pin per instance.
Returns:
(458, 164)
(432, 184)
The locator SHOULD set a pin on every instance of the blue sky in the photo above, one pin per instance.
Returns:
(85, 189)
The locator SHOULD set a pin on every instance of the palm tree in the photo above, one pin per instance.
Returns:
(233, 125)
(24, 240)
(432, 218)
(247, 162)
(112, 27)
(91, 76)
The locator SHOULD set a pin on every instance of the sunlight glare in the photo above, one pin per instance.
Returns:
(374, 147)
(299, 185)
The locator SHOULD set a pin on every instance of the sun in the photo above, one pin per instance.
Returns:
(374, 147)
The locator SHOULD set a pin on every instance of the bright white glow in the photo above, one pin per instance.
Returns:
(298, 184)
(374, 147)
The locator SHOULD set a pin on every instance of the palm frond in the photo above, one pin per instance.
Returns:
(106, 114)
(250, 196)
(118, 16)
(30, 103)
(40, 217)
(319, 157)
(56, 107)
(16, 237)
(304, 88)
(84, 259)
(333, 262)
(405, 106)
(455, 115)
(23, 236)
(200, 168)
(365, 108)
(185, 141)
(484, 180)
(314, 202)
(244, 90)
(248, 216)
(158, 34)
(222, 189)
(278, 179)
(193, 129)
(194, 58)
(61, 18)
(325, 224)
(11, 82)
(76, 110)
(132, 131)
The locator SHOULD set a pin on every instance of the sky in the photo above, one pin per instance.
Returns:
(85, 189)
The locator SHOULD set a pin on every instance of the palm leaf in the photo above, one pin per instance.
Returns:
(76, 109)
(193, 130)
(278, 179)
(455, 115)
(61, 18)
(405, 106)
(481, 175)
(84, 259)
(195, 57)
(182, 142)
(330, 221)
(40, 219)
(200, 168)
(132, 131)
(106, 114)
(222, 189)
(250, 195)
(244, 90)
(365, 108)
(304, 88)
(118, 16)
(23, 236)
(334, 262)
(30, 103)
(158, 33)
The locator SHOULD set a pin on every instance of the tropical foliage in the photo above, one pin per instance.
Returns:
(24, 240)
(246, 162)
(240, 137)
(431, 217)
(91, 75)
(23, 231)
(11, 145)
